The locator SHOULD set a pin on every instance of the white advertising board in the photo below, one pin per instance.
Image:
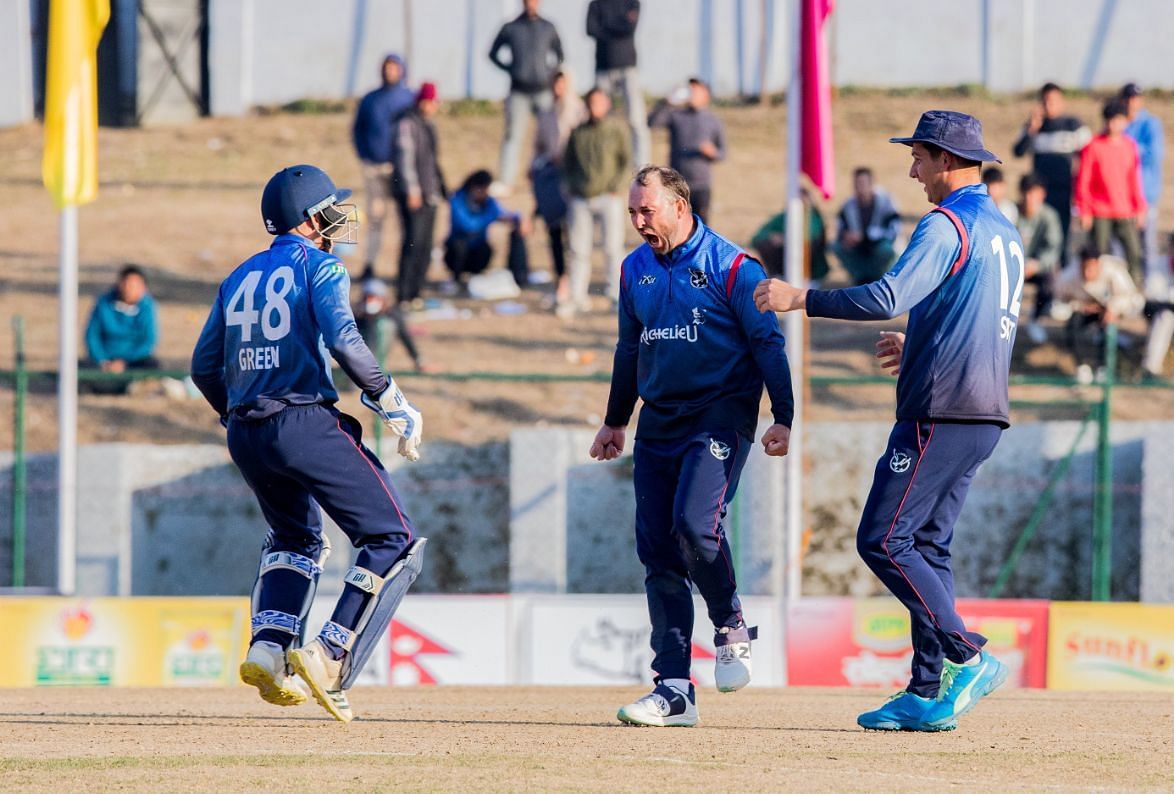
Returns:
(451, 639)
(603, 639)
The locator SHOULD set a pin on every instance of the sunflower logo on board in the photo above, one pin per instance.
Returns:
(74, 656)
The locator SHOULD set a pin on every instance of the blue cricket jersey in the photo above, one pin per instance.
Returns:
(692, 345)
(962, 289)
(275, 321)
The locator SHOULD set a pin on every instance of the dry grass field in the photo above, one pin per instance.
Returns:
(182, 202)
(555, 739)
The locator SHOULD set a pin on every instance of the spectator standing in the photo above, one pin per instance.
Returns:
(373, 133)
(1108, 189)
(550, 199)
(123, 326)
(697, 139)
(1098, 291)
(418, 187)
(535, 55)
(612, 23)
(996, 186)
(1054, 140)
(770, 242)
(868, 227)
(472, 211)
(1146, 131)
(596, 167)
(1043, 244)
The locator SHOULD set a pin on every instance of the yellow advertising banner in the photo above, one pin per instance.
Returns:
(1111, 646)
(123, 641)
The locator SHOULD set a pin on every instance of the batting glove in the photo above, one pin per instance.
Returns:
(401, 417)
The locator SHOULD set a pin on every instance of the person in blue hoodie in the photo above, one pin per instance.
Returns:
(695, 349)
(1146, 131)
(472, 211)
(123, 326)
(372, 134)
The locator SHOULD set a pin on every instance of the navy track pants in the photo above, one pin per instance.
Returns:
(905, 532)
(309, 456)
(683, 487)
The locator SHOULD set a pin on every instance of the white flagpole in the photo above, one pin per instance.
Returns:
(67, 407)
(793, 323)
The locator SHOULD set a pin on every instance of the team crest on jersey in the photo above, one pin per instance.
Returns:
(900, 461)
(698, 278)
(718, 449)
(649, 279)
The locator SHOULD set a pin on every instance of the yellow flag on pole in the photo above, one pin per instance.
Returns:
(69, 168)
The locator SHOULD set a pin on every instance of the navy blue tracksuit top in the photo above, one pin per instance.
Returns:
(692, 345)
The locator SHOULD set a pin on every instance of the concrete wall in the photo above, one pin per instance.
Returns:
(179, 520)
(266, 52)
(539, 516)
(261, 47)
(16, 62)
(572, 519)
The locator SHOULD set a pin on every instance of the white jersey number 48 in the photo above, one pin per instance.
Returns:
(275, 308)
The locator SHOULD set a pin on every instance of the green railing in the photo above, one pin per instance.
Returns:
(1098, 410)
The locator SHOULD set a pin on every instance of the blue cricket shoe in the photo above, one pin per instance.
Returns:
(963, 685)
(904, 711)
(664, 707)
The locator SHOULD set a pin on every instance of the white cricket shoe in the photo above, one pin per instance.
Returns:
(664, 707)
(733, 666)
(264, 668)
(323, 675)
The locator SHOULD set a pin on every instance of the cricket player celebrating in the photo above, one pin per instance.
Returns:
(262, 363)
(960, 279)
(693, 346)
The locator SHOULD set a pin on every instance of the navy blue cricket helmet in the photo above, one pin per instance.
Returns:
(294, 194)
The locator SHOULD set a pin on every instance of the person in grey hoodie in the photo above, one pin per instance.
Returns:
(696, 139)
(535, 54)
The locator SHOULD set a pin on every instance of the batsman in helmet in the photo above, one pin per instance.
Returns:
(263, 363)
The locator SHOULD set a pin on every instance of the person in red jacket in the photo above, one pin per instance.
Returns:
(1109, 197)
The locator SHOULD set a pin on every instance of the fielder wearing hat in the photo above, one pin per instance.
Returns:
(960, 281)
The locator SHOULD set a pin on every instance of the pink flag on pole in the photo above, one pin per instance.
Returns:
(816, 159)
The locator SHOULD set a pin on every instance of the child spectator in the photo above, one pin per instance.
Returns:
(374, 313)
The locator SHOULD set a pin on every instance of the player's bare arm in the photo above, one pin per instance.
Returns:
(774, 295)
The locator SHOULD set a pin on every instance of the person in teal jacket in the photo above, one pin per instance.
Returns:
(123, 326)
